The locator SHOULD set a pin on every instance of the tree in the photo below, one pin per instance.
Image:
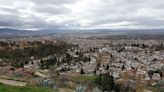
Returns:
(160, 73)
(150, 73)
(95, 71)
(123, 67)
(82, 71)
(42, 64)
(107, 67)
(106, 82)
(98, 65)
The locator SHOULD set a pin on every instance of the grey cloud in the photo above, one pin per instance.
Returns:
(43, 14)
(51, 9)
(55, 2)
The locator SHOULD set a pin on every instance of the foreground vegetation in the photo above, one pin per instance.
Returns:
(6, 88)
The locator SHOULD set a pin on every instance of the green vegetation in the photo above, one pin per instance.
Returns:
(106, 83)
(103, 81)
(40, 51)
(153, 89)
(84, 79)
(6, 88)
(151, 72)
(19, 56)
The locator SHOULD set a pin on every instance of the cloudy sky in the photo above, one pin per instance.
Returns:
(85, 14)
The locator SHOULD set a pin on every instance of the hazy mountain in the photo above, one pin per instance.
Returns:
(8, 33)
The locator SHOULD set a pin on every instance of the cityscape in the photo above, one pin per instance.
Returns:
(81, 46)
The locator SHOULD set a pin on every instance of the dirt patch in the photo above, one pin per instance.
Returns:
(13, 82)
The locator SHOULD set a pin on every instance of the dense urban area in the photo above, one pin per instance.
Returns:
(81, 45)
(82, 64)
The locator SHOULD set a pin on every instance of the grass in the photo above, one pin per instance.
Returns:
(154, 89)
(7, 88)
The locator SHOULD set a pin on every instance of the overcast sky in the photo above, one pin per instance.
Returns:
(72, 14)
